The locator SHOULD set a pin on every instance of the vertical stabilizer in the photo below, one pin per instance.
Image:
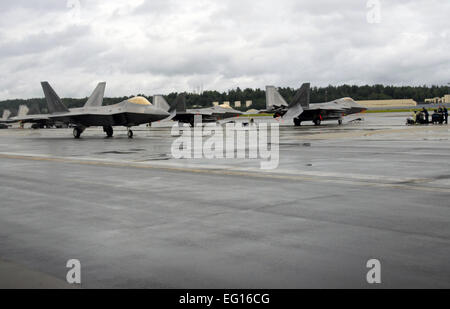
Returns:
(298, 103)
(23, 111)
(96, 98)
(161, 103)
(274, 98)
(54, 103)
(6, 114)
(302, 96)
(179, 104)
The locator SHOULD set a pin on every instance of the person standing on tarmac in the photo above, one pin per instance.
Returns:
(414, 117)
(426, 115)
(445, 114)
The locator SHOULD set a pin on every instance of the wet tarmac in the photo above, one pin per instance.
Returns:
(137, 217)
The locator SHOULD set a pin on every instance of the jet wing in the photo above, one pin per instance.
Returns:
(198, 112)
(31, 118)
(326, 108)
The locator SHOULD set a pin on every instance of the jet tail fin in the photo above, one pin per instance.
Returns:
(54, 103)
(302, 96)
(300, 101)
(161, 103)
(96, 98)
(23, 110)
(179, 104)
(274, 98)
(6, 114)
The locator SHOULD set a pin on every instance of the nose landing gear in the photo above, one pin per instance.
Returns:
(130, 133)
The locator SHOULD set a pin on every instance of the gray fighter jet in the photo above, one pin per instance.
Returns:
(39, 120)
(7, 119)
(128, 113)
(178, 111)
(301, 110)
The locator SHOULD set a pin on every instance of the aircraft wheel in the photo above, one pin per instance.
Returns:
(297, 122)
(317, 121)
(340, 121)
(77, 132)
(109, 131)
(130, 134)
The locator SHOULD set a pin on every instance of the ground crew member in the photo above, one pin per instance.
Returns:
(445, 115)
(414, 116)
(425, 113)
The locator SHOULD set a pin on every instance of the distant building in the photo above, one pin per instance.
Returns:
(237, 103)
(437, 100)
(248, 103)
(226, 103)
(388, 103)
(215, 103)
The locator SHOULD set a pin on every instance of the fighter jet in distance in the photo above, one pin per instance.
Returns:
(178, 111)
(8, 119)
(37, 120)
(128, 113)
(315, 112)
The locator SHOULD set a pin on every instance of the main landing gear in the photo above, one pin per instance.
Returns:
(340, 122)
(77, 132)
(297, 122)
(108, 130)
(317, 121)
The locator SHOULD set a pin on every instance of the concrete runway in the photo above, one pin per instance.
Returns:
(137, 218)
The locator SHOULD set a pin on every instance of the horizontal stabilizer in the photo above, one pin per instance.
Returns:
(293, 112)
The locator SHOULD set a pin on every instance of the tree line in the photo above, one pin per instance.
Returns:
(258, 96)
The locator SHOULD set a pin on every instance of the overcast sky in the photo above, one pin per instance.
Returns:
(160, 46)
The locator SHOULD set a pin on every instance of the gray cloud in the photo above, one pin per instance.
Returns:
(160, 46)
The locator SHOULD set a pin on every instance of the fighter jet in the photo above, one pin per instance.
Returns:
(128, 113)
(37, 120)
(178, 111)
(317, 112)
(7, 119)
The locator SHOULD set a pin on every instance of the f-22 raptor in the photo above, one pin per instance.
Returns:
(128, 113)
(300, 109)
(178, 111)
